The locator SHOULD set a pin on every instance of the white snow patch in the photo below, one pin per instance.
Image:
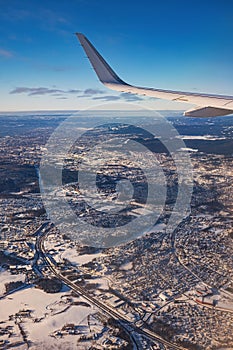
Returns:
(6, 277)
(201, 137)
(127, 266)
(73, 256)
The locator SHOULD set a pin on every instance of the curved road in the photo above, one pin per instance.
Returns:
(124, 320)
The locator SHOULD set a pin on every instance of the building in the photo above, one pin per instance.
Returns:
(3, 245)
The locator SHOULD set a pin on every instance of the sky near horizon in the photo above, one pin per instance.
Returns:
(179, 45)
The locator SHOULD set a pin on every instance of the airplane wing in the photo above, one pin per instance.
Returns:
(208, 105)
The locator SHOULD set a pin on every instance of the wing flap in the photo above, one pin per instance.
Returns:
(205, 112)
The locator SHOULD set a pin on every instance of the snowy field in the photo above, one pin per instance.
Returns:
(76, 259)
(6, 277)
(49, 313)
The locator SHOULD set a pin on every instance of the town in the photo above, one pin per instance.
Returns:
(157, 291)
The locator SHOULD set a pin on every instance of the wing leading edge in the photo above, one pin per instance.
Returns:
(208, 105)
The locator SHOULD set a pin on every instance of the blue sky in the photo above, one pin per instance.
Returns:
(183, 45)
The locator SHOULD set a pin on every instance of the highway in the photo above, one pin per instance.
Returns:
(124, 320)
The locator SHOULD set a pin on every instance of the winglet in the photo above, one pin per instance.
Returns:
(104, 72)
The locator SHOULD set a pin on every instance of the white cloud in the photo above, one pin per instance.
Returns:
(6, 53)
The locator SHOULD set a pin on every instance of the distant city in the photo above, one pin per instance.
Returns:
(157, 290)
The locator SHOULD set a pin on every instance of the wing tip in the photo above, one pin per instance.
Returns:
(104, 72)
(79, 34)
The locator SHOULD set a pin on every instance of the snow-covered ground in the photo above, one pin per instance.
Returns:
(127, 266)
(6, 277)
(76, 259)
(76, 314)
(52, 310)
(201, 137)
(68, 251)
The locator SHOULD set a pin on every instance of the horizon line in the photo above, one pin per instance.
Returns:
(80, 110)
